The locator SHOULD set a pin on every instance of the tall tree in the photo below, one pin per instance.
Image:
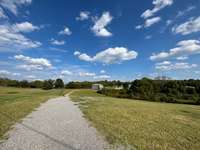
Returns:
(59, 83)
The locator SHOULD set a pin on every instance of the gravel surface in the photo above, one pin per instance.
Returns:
(57, 124)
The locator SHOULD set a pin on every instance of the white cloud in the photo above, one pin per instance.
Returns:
(33, 63)
(56, 42)
(24, 27)
(100, 24)
(30, 76)
(174, 66)
(12, 5)
(57, 49)
(102, 77)
(163, 63)
(85, 57)
(2, 15)
(5, 73)
(76, 53)
(29, 67)
(184, 48)
(168, 22)
(84, 15)
(16, 74)
(158, 5)
(102, 71)
(86, 74)
(183, 12)
(182, 58)
(151, 21)
(110, 56)
(66, 31)
(191, 26)
(139, 27)
(66, 72)
(12, 40)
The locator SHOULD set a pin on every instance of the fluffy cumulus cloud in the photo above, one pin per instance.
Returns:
(85, 57)
(66, 72)
(148, 23)
(191, 26)
(56, 42)
(182, 58)
(168, 66)
(10, 39)
(76, 53)
(12, 5)
(33, 63)
(184, 48)
(102, 77)
(24, 27)
(99, 27)
(5, 73)
(66, 31)
(158, 5)
(163, 63)
(87, 74)
(151, 21)
(84, 15)
(110, 56)
(30, 77)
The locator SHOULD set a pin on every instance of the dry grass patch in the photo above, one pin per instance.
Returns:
(16, 103)
(141, 124)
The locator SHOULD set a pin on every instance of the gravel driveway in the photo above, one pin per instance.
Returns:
(57, 124)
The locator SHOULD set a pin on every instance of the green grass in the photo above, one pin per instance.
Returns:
(142, 124)
(16, 103)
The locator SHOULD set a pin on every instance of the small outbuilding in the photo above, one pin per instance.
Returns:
(97, 86)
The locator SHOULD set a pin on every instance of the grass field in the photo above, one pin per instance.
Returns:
(141, 124)
(16, 103)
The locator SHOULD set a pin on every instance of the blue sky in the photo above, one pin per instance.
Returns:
(98, 40)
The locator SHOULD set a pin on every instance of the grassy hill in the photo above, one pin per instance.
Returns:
(142, 124)
(16, 103)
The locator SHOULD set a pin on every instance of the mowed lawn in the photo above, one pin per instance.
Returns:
(141, 124)
(16, 103)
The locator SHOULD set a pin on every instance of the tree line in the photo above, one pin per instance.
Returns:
(58, 83)
(46, 84)
(88, 84)
(172, 91)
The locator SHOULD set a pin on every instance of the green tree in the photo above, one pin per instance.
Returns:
(48, 84)
(59, 83)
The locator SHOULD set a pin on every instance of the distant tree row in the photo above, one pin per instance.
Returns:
(46, 84)
(58, 83)
(173, 91)
(87, 84)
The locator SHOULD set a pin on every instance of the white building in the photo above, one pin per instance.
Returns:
(97, 86)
